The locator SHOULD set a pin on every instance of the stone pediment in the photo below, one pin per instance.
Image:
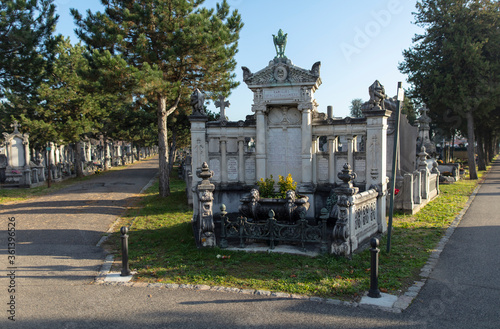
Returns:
(283, 72)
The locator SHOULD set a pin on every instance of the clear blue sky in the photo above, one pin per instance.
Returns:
(357, 42)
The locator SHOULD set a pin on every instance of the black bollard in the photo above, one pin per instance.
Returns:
(374, 292)
(125, 269)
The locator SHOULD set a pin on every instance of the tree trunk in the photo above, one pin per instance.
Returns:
(494, 147)
(471, 154)
(163, 147)
(172, 152)
(453, 146)
(78, 159)
(489, 147)
(106, 153)
(481, 163)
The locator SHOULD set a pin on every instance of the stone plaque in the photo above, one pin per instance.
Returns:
(284, 153)
(17, 155)
(232, 145)
(214, 165)
(360, 169)
(322, 169)
(250, 170)
(281, 93)
(232, 169)
(213, 145)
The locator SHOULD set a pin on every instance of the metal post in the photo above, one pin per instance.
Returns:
(49, 176)
(125, 269)
(223, 213)
(400, 98)
(374, 292)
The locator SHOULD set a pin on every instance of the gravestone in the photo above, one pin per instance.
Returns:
(17, 169)
(424, 135)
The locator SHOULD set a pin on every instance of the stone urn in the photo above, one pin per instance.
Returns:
(286, 210)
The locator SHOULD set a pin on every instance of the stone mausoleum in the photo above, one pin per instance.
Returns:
(285, 134)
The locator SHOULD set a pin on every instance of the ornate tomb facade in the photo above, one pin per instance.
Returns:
(286, 134)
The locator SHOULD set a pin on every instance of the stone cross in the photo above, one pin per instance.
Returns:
(15, 125)
(222, 105)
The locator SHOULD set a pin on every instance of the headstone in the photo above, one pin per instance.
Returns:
(360, 169)
(17, 152)
(17, 171)
(250, 170)
(215, 167)
(323, 169)
(284, 152)
(232, 169)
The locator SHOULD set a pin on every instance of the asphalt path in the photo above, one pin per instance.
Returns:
(57, 261)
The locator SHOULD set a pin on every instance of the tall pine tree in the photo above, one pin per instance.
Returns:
(176, 46)
(454, 65)
(26, 46)
(68, 108)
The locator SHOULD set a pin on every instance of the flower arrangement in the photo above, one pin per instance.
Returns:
(266, 186)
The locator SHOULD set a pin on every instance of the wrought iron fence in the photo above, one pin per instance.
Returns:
(273, 231)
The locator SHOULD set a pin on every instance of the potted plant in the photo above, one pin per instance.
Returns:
(285, 203)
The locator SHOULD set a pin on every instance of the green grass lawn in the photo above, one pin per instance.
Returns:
(162, 249)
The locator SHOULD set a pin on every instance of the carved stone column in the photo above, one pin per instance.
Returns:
(332, 148)
(260, 146)
(241, 161)
(314, 148)
(350, 149)
(223, 161)
(199, 152)
(424, 170)
(376, 159)
(203, 221)
(8, 147)
(306, 109)
(344, 241)
(27, 158)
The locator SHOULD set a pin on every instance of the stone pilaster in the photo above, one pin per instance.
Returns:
(314, 147)
(332, 149)
(306, 109)
(260, 143)
(241, 161)
(223, 161)
(376, 159)
(350, 150)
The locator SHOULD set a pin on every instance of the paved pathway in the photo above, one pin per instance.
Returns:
(58, 259)
(464, 288)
